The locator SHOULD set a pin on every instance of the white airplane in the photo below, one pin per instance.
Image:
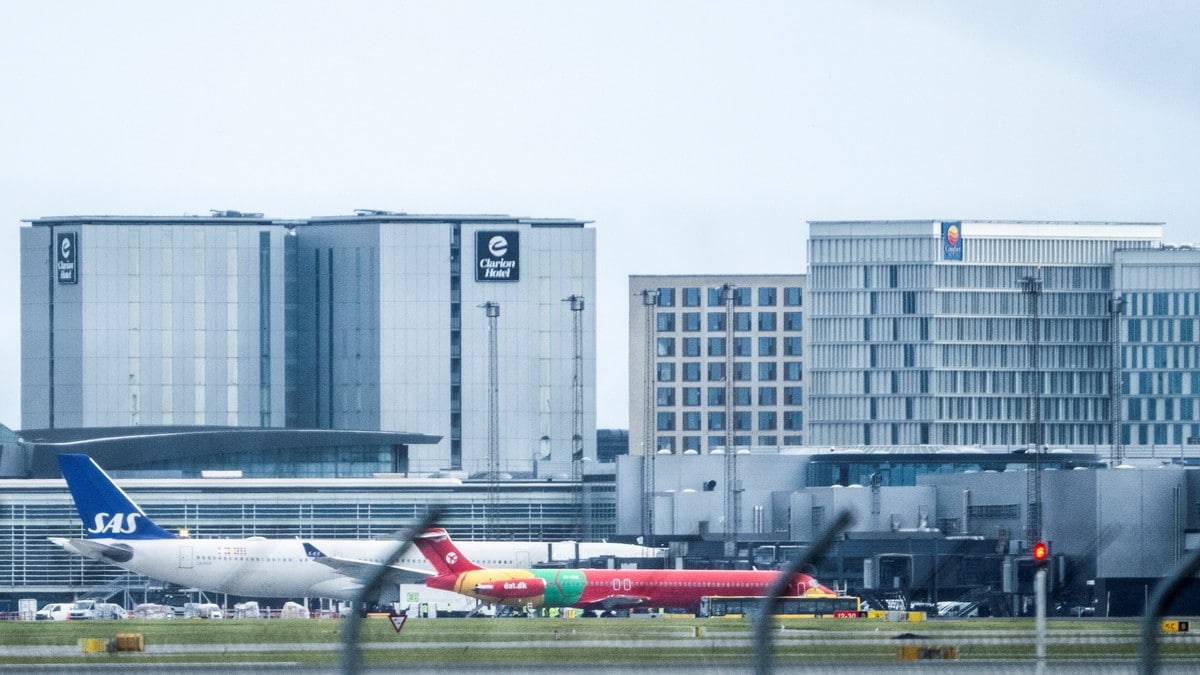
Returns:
(119, 532)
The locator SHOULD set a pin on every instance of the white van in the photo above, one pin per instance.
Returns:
(55, 611)
(83, 609)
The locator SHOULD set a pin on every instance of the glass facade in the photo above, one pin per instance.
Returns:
(765, 350)
(366, 322)
(1158, 302)
(999, 340)
(167, 323)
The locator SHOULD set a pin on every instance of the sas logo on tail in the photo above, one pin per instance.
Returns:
(117, 523)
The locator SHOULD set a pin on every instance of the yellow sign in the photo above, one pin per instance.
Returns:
(1174, 626)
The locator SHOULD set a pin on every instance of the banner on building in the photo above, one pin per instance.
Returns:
(952, 243)
(497, 256)
(66, 248)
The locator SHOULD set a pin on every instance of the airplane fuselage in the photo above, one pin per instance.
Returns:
(608, 589)
(277, 568)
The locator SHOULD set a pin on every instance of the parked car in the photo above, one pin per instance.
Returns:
(83, 609)
(55, 611)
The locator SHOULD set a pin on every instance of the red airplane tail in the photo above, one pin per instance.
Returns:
(445, 557)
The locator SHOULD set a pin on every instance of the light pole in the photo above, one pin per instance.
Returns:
(1031, 286)
(649, 449)
(731, 507)
(576, 302)
(492, 310)
(1116, 306)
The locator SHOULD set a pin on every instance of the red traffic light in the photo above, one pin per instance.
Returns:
(1041, 551)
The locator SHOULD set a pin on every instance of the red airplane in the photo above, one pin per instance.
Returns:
(595, 588)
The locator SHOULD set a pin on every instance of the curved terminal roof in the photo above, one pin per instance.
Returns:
(117, 448)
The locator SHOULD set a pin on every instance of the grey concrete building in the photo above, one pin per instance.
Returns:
(701, 371)
(370, 322)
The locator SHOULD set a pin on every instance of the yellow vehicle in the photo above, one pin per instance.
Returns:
(791, 606)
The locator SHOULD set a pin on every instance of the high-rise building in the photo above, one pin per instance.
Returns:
(977, 332)
(373, 321)
(1158, 296)
(719, 356)
(152, 321)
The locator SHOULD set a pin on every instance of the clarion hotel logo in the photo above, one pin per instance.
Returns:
(497, 256)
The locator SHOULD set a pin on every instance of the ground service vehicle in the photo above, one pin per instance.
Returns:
(788, 607)
(83, 609)
(56, 611)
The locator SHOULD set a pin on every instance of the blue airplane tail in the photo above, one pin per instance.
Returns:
(106, 511)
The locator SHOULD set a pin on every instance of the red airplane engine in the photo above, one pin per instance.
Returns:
(512, 588)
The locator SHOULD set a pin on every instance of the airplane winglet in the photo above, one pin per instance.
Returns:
(312, 551)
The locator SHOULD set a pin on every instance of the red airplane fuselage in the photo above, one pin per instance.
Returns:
(596, 588)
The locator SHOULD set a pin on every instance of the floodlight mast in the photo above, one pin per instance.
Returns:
(577, 304)
(1031, 286)
(728, 298)
(649, 449)
(492, 311)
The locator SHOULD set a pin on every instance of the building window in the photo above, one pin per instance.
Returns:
(743, 419)
(766, 346)
(666, 372)
(793, 346)
(666, 396)
(716, 372)
(766, 420)
(766, 296)
(793, 371)
(716, 395)
(666, 421)
(666, 322)
(716, 346)
(741, 346)
(793, 420)
(666, 346)
(741, 396)
(766, 320)
(666, 297)
(741, 371)
(716, 321)
(716, 421)
(691, 346)
(691, 395)
(766, 371)
(691, 371)
(691, 322)
(691, 297)
(691, 421)
(793, 321)
(741, 321)
(793, 296)
(766, 395)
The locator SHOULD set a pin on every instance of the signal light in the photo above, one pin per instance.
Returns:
(1041, 553)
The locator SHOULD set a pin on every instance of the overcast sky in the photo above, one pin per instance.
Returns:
(698, 136)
